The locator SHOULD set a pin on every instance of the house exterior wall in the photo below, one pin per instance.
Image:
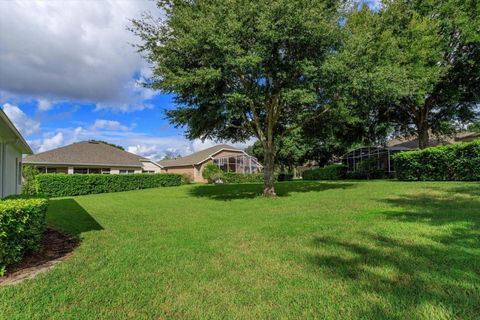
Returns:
(188, 170)
(149, 166)
(10, 169)
(69, 169)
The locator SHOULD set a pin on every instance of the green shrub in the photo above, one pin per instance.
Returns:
(285, 176)
(60, 185)
(187, 178)
(330, 172)
(460, 162)
(232, 177)
(212, 173)
(28, 184)
(22, 223)
(367, 169)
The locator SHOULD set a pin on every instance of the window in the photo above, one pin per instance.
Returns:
(127, 171)
(80, 170)
(105, 170)
(148, 171)
(51, 170)
(19, 171)
(94, 170)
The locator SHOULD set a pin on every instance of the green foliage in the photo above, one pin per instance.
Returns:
(452, 162)
(282, 176)
(59, 185)
(367, 169)
(28, 184)
(212, 173)
(22, 223)
(110, 144)
(414, 64)
(187, 178)
(234, 178)
(330, 172)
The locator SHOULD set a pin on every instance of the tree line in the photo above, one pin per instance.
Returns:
(314, 74)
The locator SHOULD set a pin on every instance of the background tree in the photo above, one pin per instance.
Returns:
(110, 144)
(240, 68)
(415, 64)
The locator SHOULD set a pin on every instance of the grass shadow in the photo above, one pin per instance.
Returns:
(69, 216)
(437, 270)
(227, 192)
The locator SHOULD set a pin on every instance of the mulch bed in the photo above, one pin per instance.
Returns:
(55, 247)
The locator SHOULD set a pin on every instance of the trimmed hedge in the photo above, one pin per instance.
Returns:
(60, 185)
(22, 222)
(231, 177)
(457, 162)
(330, 172)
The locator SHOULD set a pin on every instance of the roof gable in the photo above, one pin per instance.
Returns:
(198, 157)
(87, 153)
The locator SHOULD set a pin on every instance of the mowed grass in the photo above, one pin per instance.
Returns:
(327, 250)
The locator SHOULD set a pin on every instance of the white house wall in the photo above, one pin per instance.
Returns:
(10, 158)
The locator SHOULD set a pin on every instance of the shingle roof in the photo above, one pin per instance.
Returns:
(87, 153)
(412, 143)
(197, 157)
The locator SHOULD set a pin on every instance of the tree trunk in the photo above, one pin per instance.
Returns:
(422, 130)
(269, 177)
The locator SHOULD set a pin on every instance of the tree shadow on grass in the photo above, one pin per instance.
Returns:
(69, 216)
(436, 274)
(226, 192)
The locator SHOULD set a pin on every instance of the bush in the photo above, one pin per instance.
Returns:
(212, 173)
(285, 176)
(460, 162)
(232, 177)
(60, 185)
(187, 178)
(367, 169)
(28, 184)
(22, 223)
(330, 172)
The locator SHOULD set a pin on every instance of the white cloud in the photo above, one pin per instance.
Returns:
(51, 143)
(109, 125)
(22, 122)
(44, 104)
(79, 50)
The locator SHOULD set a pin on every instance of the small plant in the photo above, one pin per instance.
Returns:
(212, 173)
(28, 184)
(187, 178)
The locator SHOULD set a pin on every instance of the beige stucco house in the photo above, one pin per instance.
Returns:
(12, 147)
(228, 158)
(91, 157)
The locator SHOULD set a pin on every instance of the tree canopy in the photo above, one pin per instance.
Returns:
(240, 68)
(413, 64)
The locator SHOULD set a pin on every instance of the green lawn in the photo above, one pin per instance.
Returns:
(340, 250)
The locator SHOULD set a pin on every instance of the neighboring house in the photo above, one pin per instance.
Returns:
(383, 155)
(93, 158)
(12, 147)
(228, 158)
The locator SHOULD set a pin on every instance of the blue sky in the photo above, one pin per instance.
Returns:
(68, 73)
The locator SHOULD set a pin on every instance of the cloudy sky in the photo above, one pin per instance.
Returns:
(68, 73)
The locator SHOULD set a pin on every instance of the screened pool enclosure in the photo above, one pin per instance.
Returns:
(238, 163)
(381, 156)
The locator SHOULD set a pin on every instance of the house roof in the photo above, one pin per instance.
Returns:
(8, 129)
(412, 143)
(198, 157)
(87, 153)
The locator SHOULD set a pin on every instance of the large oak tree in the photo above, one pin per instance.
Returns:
(413, 63)
(240, 68)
